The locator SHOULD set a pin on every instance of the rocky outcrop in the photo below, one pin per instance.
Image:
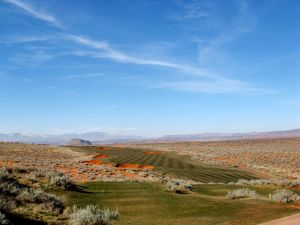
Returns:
(79, 142)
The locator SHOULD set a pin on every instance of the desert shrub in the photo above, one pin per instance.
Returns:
(35, 175)
(6, 203)
(92, 215)
(275, 182)
(9, 185)
(67, 212)
(50, 174)
(59, 180)
(20, 170)
(5, 175)
(284, 196)
(11, 189)
(178, 186)
(62, 182)
(3, 220)
(241, 193)
(40, 197)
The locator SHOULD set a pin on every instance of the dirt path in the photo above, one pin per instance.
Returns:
(289, 220)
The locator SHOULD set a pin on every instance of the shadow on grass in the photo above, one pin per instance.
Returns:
(81, 189)
(16, 219)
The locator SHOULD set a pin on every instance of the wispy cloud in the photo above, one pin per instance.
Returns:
(102, 49)
(109, 52)
(32, 59)
(192, 10)
(213, 87)
(35, 12)
(241, 23)
(291, 102)
(23, 39)
(83, 76)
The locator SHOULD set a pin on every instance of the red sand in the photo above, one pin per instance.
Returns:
(134, 166)
(101, 156)
(94, 162)
(153, 153)
(130, 175)
(8, 163)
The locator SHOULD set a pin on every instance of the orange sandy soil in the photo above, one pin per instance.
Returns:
(97, 161)
(8, 163)
(130, 175)
(134, 166)
(73, 172)
(94, 162)
(154, 153)
(101, 156)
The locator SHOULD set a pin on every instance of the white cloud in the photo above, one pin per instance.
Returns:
(34, 12)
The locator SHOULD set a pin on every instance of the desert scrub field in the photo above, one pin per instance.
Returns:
(21, 203)
(71, 163)
(279, 157)
(26, 198)
(168, 163)
(40, 195)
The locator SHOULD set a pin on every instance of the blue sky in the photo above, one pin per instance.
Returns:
(149, 67)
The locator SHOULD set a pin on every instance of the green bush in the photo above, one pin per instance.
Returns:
(92, 215)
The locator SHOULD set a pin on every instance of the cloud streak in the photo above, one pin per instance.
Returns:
(34, 12)
(108, 52)
(83, 76)
(213, 87)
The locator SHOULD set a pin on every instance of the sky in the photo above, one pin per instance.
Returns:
(149, 68)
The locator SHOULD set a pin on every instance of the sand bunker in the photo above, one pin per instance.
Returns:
(134, 166)
(102, 156)
(154, 153)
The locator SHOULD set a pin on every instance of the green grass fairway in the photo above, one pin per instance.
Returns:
(150, 204)
(170, 163)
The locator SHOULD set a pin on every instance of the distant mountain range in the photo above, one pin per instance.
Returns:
(105, 138)
(231, 136)
(60, 139)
